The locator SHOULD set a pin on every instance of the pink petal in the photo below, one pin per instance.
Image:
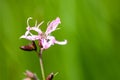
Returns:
(53, 25)
(36, 29)
(46, 43)
(31, 38)
(61, 42)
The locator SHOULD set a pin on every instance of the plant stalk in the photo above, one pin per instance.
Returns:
(41, 65)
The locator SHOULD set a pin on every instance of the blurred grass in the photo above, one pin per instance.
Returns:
(92, 28)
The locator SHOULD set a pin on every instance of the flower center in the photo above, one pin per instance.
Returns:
(43, 36)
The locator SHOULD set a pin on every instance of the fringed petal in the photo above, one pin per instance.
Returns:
(53, 25)
(31, 38)
(61, 42)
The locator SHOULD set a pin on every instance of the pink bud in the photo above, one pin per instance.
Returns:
(50, 76)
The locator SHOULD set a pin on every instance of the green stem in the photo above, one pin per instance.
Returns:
(41, 65)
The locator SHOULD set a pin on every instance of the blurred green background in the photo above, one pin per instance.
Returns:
(92, 28)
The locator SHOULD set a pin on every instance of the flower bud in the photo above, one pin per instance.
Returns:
(30, 76)
(29, 47)
(50, 76)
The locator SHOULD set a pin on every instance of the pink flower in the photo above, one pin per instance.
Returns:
(44, 38)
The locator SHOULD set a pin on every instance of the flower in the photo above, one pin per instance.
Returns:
(44, 38)
(30, 76)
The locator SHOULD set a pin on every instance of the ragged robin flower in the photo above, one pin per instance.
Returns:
(44, 38)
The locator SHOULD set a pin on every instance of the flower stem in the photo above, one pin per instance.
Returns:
(41, 65)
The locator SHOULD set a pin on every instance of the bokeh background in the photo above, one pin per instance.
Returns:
(92, 28)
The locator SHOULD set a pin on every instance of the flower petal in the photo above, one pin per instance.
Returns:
(61, 42)
(53, 25)
(36, 29)
(46, 43)
(27, 33)
(28, 21)
(31, 38)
